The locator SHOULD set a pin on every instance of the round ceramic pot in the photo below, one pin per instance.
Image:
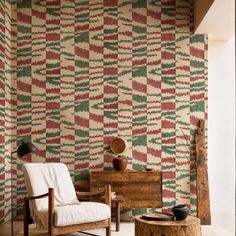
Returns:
(119, 163)
(180, 212)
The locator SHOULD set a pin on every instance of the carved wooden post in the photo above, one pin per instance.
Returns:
(203, 200)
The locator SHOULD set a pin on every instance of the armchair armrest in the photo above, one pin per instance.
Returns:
(105, 193)
(91, 193)
(36, 197)
(27, 217)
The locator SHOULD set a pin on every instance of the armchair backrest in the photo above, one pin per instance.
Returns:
(41, 176)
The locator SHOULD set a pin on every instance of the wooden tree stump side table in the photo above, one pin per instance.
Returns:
(188, 227)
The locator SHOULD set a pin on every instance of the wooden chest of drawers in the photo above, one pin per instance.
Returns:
(140, 189)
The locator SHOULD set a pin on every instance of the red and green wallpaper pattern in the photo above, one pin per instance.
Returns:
(74, 74)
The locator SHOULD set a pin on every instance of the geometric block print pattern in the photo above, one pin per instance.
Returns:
(7, 107)
(91, 70)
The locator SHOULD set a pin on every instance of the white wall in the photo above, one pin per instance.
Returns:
(221, 131)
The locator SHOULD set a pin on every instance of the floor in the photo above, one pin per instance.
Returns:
(127, 229)
(227, 221)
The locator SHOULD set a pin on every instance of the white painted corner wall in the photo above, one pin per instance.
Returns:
(221, 131)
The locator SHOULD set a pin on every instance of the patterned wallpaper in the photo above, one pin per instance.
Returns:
(90, 70)
(7, 106)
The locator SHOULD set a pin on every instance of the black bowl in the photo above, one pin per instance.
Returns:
(180, 212)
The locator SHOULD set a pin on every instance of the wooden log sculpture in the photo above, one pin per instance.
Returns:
(203, 200)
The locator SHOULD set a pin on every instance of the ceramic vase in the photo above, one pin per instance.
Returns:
(180, 212)
(119, 163)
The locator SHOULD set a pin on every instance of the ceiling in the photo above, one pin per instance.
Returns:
(219, 21)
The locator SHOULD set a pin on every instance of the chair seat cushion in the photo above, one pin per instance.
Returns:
(85, 212)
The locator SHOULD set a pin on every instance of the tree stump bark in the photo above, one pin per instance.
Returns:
(189, 226)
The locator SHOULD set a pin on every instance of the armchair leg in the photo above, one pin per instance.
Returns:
(108, 228)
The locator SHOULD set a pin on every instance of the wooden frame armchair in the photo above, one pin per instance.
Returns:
(54, 229)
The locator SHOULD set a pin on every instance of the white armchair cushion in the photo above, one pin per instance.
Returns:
(85, 212)
(41, 176)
